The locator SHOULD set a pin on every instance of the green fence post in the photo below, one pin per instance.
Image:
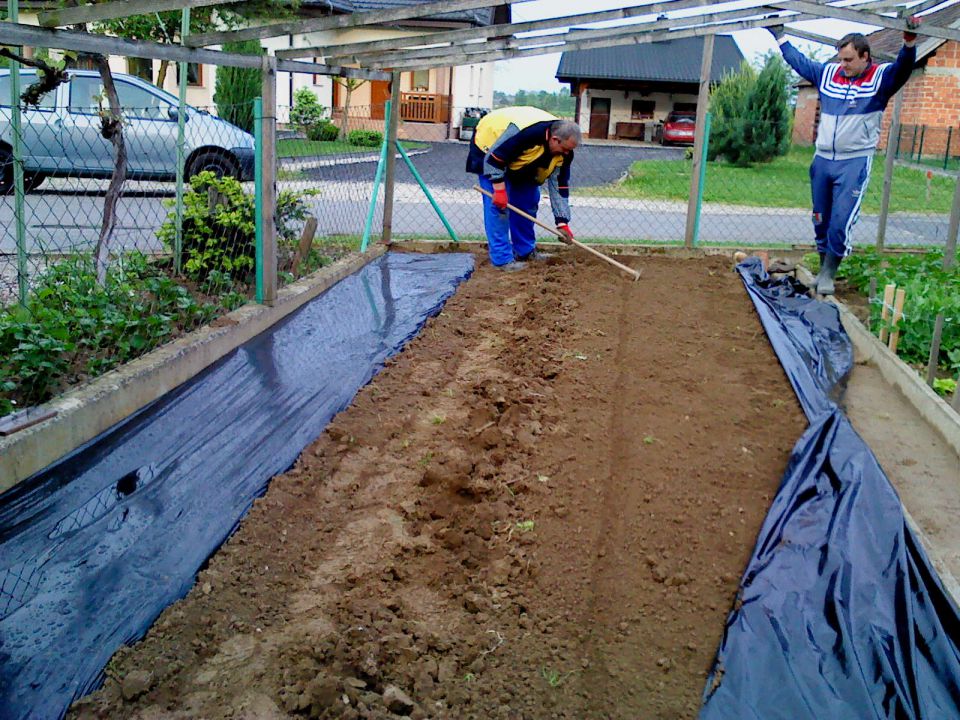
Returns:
(703, 177)
(426, 191)
(258, 191)
(376, 185)
(181, 119)
(16, 132)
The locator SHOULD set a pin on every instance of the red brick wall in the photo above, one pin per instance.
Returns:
(932, 98)
(805, 116)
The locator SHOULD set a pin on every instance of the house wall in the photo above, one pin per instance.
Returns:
(621, 107)
(805, 116)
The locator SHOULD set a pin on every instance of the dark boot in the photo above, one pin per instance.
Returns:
(828, 273)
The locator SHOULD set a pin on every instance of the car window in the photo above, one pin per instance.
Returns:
(136, 102)
(27, 77)
(84, 94)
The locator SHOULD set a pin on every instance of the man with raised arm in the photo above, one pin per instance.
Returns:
(514, 151)
(853, 95)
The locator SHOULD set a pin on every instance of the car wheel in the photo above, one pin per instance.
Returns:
(221, 164)
(32, 181)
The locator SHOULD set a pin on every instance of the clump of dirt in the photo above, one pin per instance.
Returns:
(541, 508)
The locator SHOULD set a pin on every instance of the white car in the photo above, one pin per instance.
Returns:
(62, 137)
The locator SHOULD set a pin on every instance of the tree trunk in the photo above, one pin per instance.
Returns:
(162, 74)
(346, 113)
(112, 129)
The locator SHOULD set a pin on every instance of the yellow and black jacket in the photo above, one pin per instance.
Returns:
(511, 143)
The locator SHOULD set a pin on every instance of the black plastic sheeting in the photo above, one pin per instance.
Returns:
(839, 613)
(93, 548)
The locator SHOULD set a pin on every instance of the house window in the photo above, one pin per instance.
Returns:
(141, 68)
(421, 80)
(642, 109)
(194, 74)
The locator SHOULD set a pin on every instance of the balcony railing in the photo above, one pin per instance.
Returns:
(424, 107)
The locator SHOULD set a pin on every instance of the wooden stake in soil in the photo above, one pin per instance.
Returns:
(888, 292)
(635, 274)
(897, 316)
(306, 242)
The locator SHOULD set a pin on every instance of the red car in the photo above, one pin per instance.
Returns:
(678, 128)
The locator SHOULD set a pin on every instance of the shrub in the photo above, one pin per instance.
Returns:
(751, 117)
(365, 138)
(219, 229)
(236, 88)
(307, 110)
(324, 130)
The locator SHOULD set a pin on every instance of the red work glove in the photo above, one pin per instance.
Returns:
(500, 197)
(567, 232)
(913, 22)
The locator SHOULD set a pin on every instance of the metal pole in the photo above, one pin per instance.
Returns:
(16, 132)
(181, 119)
(703, 98)
(893, 149)
(703, 179)
(426, 191)
(258, 192)
(923, 133)
(268, 177)
(390, 176)
(365, 240)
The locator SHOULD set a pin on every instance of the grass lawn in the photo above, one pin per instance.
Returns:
(785, 182)
(295, 147)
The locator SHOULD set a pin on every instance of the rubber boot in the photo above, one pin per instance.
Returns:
(828, 273)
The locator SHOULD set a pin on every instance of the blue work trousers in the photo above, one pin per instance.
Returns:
(837, 187)
(510, 236)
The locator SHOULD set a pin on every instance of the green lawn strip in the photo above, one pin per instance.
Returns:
(297, 147)
(785, 182)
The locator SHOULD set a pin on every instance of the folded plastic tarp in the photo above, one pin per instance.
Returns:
(93, 548)
(839, 613)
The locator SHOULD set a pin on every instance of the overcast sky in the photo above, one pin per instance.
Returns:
(538, 73)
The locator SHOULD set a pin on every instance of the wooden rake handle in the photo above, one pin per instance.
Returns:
(635, 274)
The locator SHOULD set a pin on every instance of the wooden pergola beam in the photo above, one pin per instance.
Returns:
(635, 38)
(84, 42)
(832, 42)
(118, 9)
(865, 18)
(454, 36)
(388, 59)
(335, 22)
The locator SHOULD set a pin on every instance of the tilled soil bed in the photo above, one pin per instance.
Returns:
(540, 509)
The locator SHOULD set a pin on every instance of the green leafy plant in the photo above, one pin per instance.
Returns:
(219, 228)
(365, 138)
(306, 111)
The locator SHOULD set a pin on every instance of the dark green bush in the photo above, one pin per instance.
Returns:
(365, 138)
(236, 88)
(324, 131)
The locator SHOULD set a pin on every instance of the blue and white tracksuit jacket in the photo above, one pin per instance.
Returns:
(851, 110)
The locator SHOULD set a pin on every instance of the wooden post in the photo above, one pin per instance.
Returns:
(888, 292)
(306, 242)
(897, 316)
(953, 227)
(893, 139)
(703, 98)
(269, 178)
(934, 360)
(390, 174)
